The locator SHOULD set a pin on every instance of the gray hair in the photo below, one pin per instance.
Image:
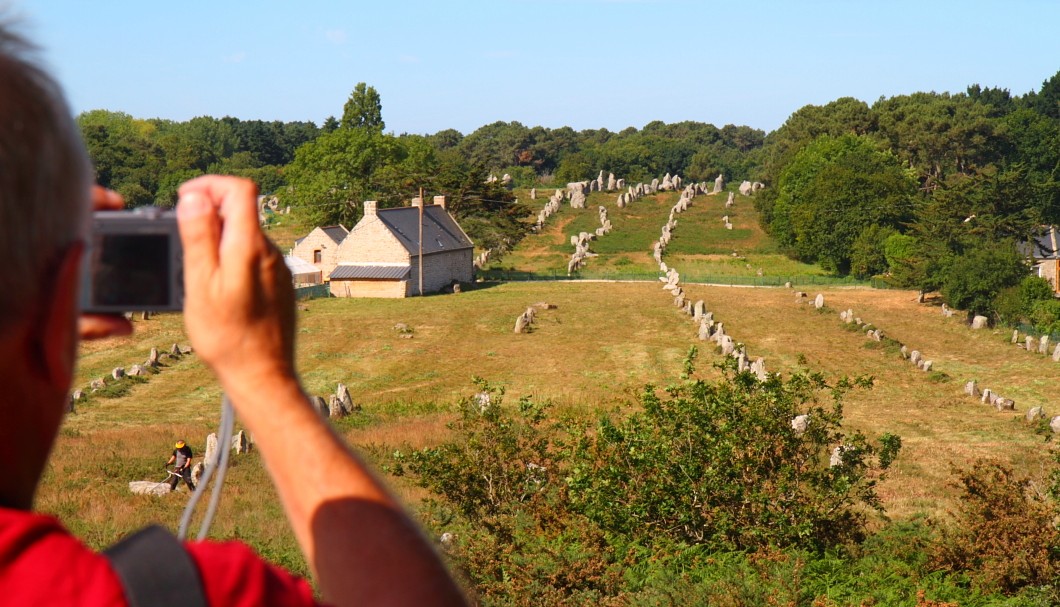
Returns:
(45, 177)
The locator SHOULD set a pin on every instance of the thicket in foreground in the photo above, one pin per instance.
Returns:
(565, 512)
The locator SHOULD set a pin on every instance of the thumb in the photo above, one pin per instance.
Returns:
(200, 235)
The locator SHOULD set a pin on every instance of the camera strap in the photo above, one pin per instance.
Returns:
(156, 570)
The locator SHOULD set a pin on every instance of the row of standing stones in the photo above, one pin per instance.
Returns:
(153, 364)
(971, 388)
(708, 328)
(715, 331)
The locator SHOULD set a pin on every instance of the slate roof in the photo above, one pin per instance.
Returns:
(1045, 245)
(335, 233)
(369, 272)
(440, 231)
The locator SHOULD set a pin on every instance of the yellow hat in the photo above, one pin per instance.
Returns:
(180, 444)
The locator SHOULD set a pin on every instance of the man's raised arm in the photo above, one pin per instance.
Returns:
(239, 313)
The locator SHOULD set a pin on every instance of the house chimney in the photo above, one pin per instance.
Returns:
(417, 202)
(370, 208)
(442, 201)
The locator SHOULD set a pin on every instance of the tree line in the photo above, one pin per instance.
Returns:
(925, 189)
(934, 191)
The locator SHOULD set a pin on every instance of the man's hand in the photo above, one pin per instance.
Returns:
(238, 296)
(98, 326)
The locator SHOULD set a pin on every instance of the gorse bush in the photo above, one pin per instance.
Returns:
(1005, 537)
(721, 464)
(553, 511)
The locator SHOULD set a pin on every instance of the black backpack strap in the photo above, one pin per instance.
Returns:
(156, 570)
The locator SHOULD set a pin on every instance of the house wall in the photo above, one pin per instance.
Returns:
(369, 288)
(318, 240)
(1049, 269)
(441, 269)
(371, 242)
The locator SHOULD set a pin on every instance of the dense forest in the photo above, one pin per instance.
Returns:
(933, 191)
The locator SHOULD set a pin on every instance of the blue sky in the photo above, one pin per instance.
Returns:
(581, 63)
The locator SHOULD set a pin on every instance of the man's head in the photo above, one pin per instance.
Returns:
(45, 178)
(45, 181)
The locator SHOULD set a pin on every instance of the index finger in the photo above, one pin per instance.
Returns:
(106, 200)
(241, 240)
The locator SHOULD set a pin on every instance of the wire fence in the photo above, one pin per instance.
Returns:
(312, 292)
(500, 275)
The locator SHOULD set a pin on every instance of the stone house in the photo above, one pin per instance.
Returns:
(1045, 252)
(320, 248)
(381, 256)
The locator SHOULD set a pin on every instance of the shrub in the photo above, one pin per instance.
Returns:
(1004, 537)
(720, 464)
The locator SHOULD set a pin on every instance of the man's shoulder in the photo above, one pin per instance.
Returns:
(232, 571)
(42, 563)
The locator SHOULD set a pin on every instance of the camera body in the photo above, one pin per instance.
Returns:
(133, 261)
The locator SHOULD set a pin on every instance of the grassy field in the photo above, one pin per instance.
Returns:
(602, 342)
(701, 245)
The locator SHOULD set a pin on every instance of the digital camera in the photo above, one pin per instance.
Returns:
(133, 261)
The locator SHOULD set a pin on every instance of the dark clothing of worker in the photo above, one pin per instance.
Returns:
(181, 465)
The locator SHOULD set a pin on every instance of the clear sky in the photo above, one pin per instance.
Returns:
(459, 64)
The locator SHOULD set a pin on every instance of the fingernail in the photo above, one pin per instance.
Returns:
(192, 204)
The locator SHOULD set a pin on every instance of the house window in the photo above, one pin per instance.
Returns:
(316, 256)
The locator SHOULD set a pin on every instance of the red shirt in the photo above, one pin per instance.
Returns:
(42, 564)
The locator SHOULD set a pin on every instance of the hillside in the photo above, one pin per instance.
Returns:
(603, 341)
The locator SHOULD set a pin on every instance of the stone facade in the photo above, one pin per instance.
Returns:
(380, 256)
(321, 248)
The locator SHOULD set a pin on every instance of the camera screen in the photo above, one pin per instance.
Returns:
(131, 270)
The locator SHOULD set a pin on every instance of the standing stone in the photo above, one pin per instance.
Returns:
(211, 454)
(343, 394)
(988, 396)
(1043, 345)
(335, 408)
(904, 352)
(972, 389)
(520, 324)
(175, 350)
(980, 322)
(1016, 336)
(800, 423)
(136, 371)
(704, 331)
(1054, 424)
(97, 384)
(836, 458)
(320, 405)
(152, 358)
(818, 302)
(1005, 404)
(240, 442)
(914, 357)
(697, 310)
(719, 184)
(196, 472)
(1030, 344)
(117, 373)
(1034, 414)
(927, 366)
(533, 193)
(1056, 353)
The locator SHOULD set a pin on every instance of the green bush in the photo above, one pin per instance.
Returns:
(564, 512)
(720, 464)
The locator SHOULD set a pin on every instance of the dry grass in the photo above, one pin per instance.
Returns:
(590, 354)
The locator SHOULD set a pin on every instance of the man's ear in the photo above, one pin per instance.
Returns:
(56, 333)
